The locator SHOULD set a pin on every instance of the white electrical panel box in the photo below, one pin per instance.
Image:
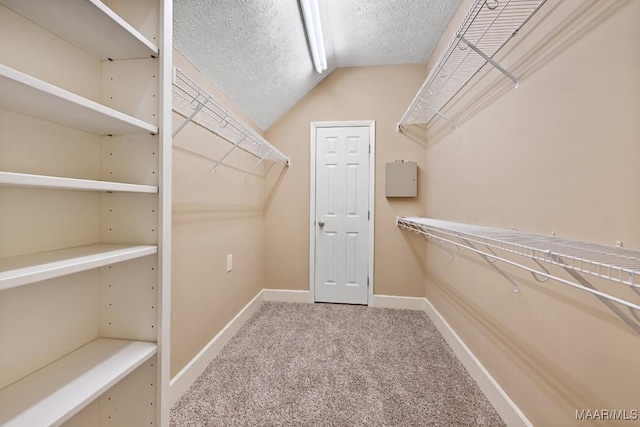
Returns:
(401, 179)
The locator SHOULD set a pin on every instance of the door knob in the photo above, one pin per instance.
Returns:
(321, 223)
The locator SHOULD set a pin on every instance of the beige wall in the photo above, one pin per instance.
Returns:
(368, 93)
(560, 154)
(214, 214)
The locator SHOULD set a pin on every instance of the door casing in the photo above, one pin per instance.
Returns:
(312, 199)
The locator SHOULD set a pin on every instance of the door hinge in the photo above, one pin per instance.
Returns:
(369, 215)
(367, 281)
(369, 148)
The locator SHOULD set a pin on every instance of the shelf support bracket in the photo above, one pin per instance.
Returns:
(584, 282)
(516, 288)
(191, 116)
(440, 243)
(536, 276)
(228, 152)
(491, 61)
(447, 119)
(254, 166)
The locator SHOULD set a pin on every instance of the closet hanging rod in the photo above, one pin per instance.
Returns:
(195, 105)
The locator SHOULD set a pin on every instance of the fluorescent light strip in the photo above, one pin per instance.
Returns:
(311, 15)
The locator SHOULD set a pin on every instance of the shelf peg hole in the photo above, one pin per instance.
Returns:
(491, 4)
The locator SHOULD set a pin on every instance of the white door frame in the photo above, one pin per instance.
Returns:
(312, 197)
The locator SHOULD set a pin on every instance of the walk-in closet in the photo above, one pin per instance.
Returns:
(319, 213)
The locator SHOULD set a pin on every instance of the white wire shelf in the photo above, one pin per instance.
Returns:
(619, 265)
(486, 28)
(53, 394)
(84, 24)
(196, 105)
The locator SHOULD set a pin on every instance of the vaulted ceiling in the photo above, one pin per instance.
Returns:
(256, 51)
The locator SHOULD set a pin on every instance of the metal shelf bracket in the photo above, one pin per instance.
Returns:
(446, 119)
(492, 264)
(253, 167)
(490, 61)
(191, 116)
(229, 151)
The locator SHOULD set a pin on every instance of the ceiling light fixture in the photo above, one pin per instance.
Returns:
(311, 15)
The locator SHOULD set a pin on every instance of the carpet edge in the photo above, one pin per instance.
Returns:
(506, 408)
(181, 382)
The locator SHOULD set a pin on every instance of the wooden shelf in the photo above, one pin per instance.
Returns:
(53, 394)
(33, 97)
(11, 179)
(87, 24)
(22, 270)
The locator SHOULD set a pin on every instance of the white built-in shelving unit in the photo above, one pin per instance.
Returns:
(196, 105)
(486, 28)
(610, 263)
(84, 212)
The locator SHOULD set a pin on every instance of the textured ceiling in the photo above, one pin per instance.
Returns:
(256, 52)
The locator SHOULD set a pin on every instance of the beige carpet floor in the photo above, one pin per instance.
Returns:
(335, 365)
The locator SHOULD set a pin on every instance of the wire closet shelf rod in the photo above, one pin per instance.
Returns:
(485, 29)
(619, 265)
(196, 105)
(616, 264)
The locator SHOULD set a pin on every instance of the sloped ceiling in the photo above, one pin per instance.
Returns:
(256, 51)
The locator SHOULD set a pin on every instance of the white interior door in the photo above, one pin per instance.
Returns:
(342, 214)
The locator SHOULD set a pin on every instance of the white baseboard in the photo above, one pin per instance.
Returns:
(183, 379)
(506, 408)
(406, 303)
(285, 295)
